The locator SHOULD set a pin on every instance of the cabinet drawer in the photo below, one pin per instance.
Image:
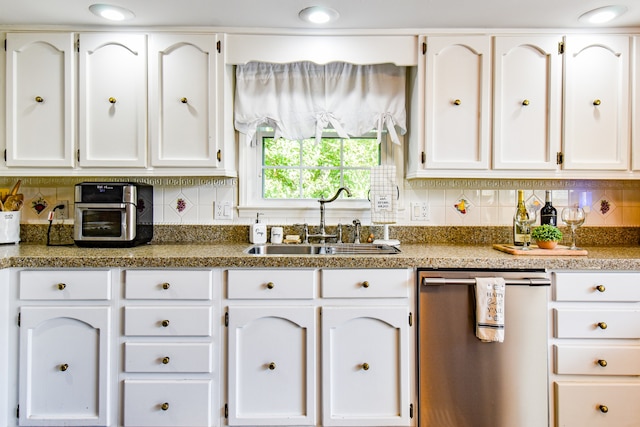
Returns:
(166, 357)
(597, 323)
(597, 360)
(366, 283)
(167, 403)
(271, 284)
(65, 285)
(583, 404)
(167, 321)
(597, 286)
(168, 284)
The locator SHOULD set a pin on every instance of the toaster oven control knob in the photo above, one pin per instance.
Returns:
(164, 406)
(164, 323)
(165, 360)
(166, 285)
(112, 100)
(61, 286)
(602, 362)
(601, 288)
(602, 325)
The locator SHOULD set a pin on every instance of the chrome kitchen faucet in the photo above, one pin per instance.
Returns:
(322, 235)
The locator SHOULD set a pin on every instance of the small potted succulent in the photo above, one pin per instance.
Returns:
(546, 236)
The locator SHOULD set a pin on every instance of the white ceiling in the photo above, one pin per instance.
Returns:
(354, 14)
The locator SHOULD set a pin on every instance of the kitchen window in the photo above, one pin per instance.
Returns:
(306, 169)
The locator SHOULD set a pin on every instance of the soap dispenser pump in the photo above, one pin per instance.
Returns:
(258, 232)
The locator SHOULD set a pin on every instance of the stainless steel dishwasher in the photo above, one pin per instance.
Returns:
(464, 382)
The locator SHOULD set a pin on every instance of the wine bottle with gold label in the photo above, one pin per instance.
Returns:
(521, 212)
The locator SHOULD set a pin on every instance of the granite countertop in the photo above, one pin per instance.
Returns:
(231, 255)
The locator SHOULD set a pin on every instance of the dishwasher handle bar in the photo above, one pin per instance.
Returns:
(438, 281)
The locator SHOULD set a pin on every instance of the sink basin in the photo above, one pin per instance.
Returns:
(329, 249)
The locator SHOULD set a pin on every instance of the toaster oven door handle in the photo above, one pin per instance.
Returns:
(103, 205)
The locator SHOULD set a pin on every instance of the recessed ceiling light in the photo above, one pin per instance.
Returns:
(110, 12)
(602, 15)
(318, 14)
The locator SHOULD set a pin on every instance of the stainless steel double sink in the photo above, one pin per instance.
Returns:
(326, 249)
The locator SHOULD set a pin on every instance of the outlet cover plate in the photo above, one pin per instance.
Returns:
(419, 211)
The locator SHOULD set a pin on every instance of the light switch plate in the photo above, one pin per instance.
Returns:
(419, 211)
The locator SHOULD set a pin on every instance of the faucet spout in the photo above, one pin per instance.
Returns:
(322, 234)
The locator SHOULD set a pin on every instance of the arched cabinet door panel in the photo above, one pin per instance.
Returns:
(64, 366)
(596, 103)
(272, 362)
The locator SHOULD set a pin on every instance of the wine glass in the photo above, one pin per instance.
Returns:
(574, 217)
(524, 222)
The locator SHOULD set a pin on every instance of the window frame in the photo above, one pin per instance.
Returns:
(250, 200)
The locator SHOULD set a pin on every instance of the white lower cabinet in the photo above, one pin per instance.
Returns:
(169, 373)
(167, 403)
(65, 363)
(595, 369)
(351, 368)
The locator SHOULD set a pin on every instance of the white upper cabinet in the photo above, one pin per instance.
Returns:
(113, 100)
(454, 77)
(635, 107)
(40, 99)
(596, 103)
(183, 99)
(527, 102)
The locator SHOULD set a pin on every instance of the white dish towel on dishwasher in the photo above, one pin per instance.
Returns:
(490, 292)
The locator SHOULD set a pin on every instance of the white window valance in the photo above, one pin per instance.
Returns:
(299, 100)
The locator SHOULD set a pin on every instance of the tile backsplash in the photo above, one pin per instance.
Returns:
(448, 202)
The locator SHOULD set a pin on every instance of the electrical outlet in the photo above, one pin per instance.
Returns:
(223, 210)
(419, 211)
(63, 212)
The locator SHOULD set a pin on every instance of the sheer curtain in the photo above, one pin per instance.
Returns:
(299, 100)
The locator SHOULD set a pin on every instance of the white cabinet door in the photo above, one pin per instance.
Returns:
(527, 102)
(113, 100)
(365, 366)
(272, 365)
(64, 366)
(596, 103)
(635, 106)
(457, 102)
(40, 99)
(183, 100)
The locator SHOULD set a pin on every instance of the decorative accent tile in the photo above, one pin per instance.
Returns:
(604, 207)
(534, 203)
(39, 204)
(463, 205)
(181, 204)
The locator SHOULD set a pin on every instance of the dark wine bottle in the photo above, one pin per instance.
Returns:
(548, 214)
